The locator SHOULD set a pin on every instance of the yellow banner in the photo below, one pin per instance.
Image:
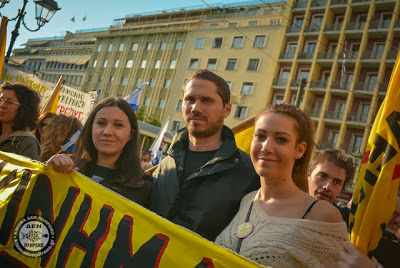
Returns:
(48, 219)
(375, 194)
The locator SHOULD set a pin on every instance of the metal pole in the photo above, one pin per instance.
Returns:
(15, 33)
(300, 92)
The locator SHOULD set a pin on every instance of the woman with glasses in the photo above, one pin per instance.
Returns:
(19, 110)
(44, 121)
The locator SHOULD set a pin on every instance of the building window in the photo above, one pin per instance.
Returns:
(214, 26)
(111, 80)
(193, 64)
(89, 79)
(116, 63)
(247, 88)
(253, 23)
(167, 83)
(231, 64)
(179, 106)
(143, 64)
(176, 125)
(355, 143)
(146, 101)
(148, 46)
(134, 46)
(152, 82)
(98, 48)
(237, 42)
(178, 45)
(212, 64)
(124, 81)
(100, 79)
(163, 45)
(121, 47)
(217, 43)
(229, 84)
(370, 82)
(232, 24)
(199, 43)
(172, 64)
(129, 64)
(259, 41)
(157, 64)
(138, 81)
(94, 63)
(161, 103)
(253, 64)
(241, 112)
(275, 21)
(105, 63)
(278, 98)
(109, 48)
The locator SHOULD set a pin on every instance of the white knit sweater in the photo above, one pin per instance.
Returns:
(283, 242)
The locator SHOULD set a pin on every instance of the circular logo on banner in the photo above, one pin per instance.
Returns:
(34, 236)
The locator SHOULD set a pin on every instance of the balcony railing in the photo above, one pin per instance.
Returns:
(287, 55)
(313, 28)
(293, 29)
(336, 115)
(337, 84)
(280, 82)
(319, 84)
(359, 1)
(295, 82)
(357, 117)
(327, 145)
(326, 55)
(318, 3)
(301, 4)
(382, 24)
(338, 2)
(333, 27)
(306, 55)
(372, 55)
(355, 25)
(313, 112)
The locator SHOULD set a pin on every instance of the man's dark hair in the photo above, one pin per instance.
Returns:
(337, 157)
(222, 86)
(28, 111)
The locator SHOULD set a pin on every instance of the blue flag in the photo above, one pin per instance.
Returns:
(134, 98)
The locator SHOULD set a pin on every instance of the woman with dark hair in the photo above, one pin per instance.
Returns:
(280, 225)
(58, 132)
(107, 151)
(19, 110)
(44, 121)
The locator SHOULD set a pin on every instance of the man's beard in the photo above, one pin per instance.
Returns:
(204, 133)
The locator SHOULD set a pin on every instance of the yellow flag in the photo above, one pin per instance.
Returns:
(52, 101)
(375, 194)
(244, 134)
(3, 40)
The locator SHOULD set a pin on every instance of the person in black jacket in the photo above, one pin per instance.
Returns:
(200, 183)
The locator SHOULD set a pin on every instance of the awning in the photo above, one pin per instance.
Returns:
(16, 60)
(69, 60)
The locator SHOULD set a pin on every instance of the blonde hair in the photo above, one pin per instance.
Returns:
(57, 133)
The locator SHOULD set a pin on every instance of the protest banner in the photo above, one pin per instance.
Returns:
(49, 219)
(71, 101)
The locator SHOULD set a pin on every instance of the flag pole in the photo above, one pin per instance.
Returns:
(49, 102)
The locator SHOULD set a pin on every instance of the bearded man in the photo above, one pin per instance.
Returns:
(201, 182)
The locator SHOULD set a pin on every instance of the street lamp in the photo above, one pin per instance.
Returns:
(45, 9)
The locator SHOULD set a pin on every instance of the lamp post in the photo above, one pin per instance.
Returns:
(45, 9)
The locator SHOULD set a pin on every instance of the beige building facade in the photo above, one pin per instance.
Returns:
(239, 42)
(346, 51)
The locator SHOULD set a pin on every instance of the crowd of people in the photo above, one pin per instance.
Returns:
(273, 207)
